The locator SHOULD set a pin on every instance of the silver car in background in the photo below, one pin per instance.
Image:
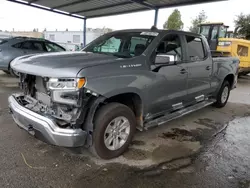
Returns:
(11, 48)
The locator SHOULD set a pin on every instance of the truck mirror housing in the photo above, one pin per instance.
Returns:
(162, 59)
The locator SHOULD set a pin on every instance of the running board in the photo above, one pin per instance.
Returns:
(169, 117)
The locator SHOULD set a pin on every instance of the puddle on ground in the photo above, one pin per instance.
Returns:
(138, 143)
(175, 150)
(189, 169)
(228, 154)
(143, 158)
(228, 160)
(244, 184)
(136, 154)
(177, 164)
(178, 134)
(207, 122)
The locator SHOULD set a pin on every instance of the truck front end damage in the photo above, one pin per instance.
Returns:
(54, 110)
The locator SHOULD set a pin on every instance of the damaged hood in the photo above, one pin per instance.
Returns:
(60, 64)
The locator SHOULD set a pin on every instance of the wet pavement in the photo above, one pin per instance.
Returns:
(206, 149)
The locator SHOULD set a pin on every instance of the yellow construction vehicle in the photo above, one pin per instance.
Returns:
(227, 44)
(230, 34)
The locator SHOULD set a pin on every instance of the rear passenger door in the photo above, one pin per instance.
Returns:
(199, 66)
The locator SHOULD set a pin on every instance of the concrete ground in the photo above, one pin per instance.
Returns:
(206, 149)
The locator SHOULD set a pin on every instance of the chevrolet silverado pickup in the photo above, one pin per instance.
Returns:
(122, 81)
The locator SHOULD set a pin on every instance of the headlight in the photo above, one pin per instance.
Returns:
(224, 43)
(66, 83)
(65, 90)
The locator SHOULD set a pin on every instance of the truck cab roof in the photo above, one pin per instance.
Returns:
(160, 31)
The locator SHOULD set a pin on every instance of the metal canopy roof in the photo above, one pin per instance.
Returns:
(97, 8)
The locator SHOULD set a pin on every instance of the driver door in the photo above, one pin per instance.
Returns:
(169, 90)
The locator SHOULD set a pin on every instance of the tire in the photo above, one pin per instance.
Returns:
(105, 120)
(223, 95)
(6, 72)
(14, 73)
(246, 73)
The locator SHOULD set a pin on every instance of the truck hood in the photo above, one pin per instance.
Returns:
(60, 64)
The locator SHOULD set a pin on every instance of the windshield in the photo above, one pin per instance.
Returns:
(204, 30)
(122, 44)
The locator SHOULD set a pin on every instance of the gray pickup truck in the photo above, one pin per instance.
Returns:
(121, 81)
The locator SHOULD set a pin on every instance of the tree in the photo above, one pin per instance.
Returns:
(201, 18)
(242, 25)
(174, 21)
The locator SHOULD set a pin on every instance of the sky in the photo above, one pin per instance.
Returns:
(24, 18)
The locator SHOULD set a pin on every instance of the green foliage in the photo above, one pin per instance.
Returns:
(174, 21)
(201, 18)
(242, 24)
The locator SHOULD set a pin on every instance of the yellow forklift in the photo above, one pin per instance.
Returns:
(226, 43)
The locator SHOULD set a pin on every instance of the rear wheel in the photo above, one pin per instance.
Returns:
(246, 73)
(115, 126)
(223, 95)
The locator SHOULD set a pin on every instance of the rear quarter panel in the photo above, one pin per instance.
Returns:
(222, 67)
(7, 54)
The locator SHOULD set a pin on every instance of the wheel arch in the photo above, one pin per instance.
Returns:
(133, 101)
(230, 78)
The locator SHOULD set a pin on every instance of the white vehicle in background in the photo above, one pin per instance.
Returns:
(70, 46)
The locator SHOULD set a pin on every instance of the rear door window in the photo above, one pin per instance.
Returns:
(17, 45)
(27, 45)
(195, 48)
(51, 47)
(38, 46)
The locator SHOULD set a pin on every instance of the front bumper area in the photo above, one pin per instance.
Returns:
(44, 128)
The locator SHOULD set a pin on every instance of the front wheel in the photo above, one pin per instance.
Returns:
(6, 72)
(223, 95)
(115, 125)
(14, 73)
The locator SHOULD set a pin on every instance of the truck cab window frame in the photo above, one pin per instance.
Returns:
(170, 45)
(195, 49)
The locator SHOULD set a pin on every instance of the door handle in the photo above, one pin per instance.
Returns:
(183, 71)
(208, 68)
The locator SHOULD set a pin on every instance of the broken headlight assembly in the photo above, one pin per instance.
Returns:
(65, 90)
(66, 83)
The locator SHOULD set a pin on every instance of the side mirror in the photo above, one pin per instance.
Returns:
(162, 59)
